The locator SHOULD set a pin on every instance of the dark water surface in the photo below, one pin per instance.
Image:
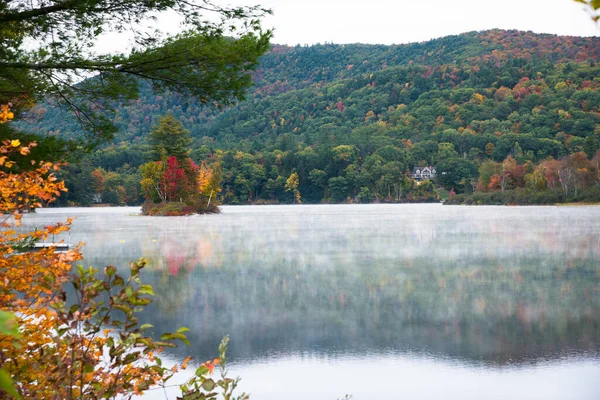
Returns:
(379, 301)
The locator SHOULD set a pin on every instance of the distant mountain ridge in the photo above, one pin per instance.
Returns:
(322, 68)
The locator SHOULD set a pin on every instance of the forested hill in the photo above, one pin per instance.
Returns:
(353, 118)
(339, 84)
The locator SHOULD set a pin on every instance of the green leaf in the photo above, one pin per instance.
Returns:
(146, 326)
(110, 270)
(135, 269)
(143, 385)
(118, 281)
(142, 302)
(129, 291)
(130, 358)
(88, 368)
(123, 308)
(7, 385)
(208, 385)
(173, 336)
(165, 344)
(146, 289)
(183, 329)
(8, 324)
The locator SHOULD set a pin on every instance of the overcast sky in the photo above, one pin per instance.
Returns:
(394, 21)
(404, 21)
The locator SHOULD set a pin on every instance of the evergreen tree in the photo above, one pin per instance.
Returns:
(169, 138)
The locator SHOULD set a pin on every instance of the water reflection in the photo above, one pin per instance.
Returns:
(491, 285)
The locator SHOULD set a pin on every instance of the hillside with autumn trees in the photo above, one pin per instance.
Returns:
(512, 116)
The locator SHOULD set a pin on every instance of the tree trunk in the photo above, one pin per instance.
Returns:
(209, 199)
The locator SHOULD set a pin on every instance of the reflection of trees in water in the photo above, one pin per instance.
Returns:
(475, 310)
(488, 284)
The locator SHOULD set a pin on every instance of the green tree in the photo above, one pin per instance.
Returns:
(452, 173)
(339, 188)
(446, 151)
(591, 145)
(318, 181)
(114, 192)
(152, 182)
(318, 178)
(343, 156)
(47, 48)
(169, 138)
(364, 196)
(518, 153)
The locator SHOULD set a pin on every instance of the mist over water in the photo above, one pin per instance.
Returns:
(379, 301)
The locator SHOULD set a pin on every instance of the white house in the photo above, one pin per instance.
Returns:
(421, 173)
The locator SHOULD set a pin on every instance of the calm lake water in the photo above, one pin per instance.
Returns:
(377, 301)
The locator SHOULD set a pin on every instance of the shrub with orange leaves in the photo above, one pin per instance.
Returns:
(79, 337)
(5, 113)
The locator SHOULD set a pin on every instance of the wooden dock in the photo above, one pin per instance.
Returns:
(57, 246)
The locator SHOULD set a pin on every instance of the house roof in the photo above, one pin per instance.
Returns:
(421, 169)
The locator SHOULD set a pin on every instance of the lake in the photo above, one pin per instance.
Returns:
(377, 301)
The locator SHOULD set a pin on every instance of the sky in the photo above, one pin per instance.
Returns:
(405, 21)
(395, 21)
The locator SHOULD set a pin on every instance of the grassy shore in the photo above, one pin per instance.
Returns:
(526, 197)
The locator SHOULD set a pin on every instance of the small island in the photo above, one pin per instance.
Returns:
(173, 184)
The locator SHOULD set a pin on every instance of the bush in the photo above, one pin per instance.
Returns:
(524, 197)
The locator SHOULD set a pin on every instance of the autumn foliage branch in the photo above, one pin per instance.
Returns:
(78, 335)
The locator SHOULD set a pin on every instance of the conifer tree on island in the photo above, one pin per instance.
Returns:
(169, 137)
